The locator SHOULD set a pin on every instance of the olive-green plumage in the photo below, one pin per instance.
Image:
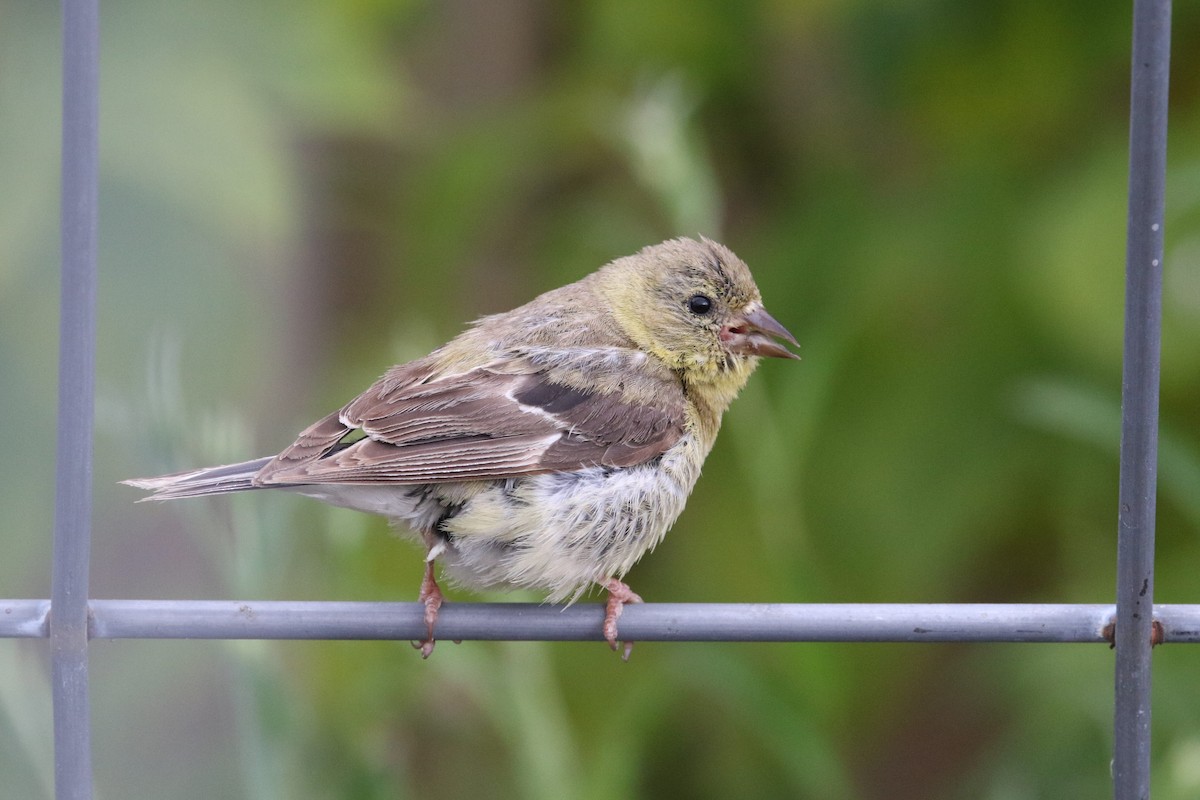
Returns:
(548, 447)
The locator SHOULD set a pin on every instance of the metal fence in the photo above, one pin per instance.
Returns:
(69, 619)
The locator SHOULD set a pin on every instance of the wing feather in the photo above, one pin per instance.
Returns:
(485, 423)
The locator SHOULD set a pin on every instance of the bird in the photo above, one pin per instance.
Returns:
(549, 447)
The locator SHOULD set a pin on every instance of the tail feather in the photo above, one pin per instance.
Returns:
(202, 482)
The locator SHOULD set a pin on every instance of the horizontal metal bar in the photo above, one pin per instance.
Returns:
(696, 622)
(24, 619)
(113, 619)
(1181, 623)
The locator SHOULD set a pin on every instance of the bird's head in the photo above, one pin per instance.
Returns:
(694, 305)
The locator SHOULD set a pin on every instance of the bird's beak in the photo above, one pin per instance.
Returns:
(752, 333)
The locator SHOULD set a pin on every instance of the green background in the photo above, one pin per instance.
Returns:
(295, 195)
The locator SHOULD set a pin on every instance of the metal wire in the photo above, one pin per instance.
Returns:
(849, 622)
(76, 390)
(24, 619)
(1139, 396)
(663, 622)
(675, 622)
(697, 622)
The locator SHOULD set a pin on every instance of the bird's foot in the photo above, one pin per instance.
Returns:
(619, 595)
(431, 596)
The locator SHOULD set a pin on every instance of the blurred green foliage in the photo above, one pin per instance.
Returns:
(295, 195)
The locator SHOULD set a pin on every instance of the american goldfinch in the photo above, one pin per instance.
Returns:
(549, 447)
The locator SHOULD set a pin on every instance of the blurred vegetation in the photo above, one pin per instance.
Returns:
(295, 195)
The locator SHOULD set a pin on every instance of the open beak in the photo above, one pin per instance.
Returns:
(753, 333)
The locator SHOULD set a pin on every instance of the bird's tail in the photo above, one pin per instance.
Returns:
(201, 482)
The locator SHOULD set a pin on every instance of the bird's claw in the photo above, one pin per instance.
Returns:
(431, 596)
(619, 594)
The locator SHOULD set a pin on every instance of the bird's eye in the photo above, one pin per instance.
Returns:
(700, 304)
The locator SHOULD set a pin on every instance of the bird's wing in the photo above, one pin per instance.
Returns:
(485, 423)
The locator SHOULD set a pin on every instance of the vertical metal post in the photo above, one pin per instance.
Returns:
(76, 388)
(1139, 397)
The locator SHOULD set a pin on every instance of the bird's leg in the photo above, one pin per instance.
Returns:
(618, 595)
(431, 596)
